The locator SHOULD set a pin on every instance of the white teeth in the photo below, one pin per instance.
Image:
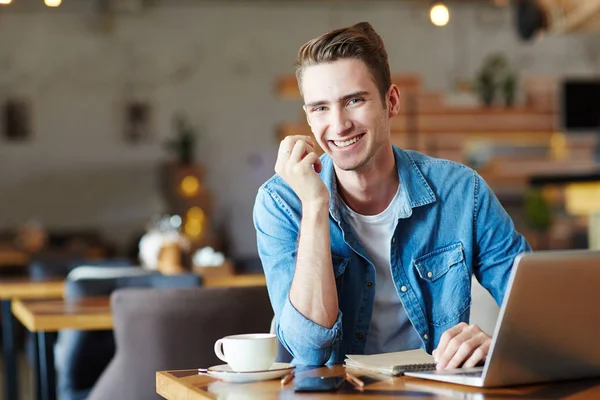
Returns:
(347, 142)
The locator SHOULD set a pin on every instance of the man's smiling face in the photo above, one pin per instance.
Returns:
(345, 112)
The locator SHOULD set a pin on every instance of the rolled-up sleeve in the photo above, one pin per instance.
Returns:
(308, 342)
(277, 226)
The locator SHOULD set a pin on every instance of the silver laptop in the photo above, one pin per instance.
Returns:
(549, 324)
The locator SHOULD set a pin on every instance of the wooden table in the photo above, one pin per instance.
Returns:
(25, 288)
(46, 317)
(92, 313)
(189, 385)
(89, 313)
(19, 288)
(235, 280)
(13, 257)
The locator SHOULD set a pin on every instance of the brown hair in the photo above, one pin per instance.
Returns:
(359, 41)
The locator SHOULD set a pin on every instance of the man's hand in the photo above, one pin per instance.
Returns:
(295, 162)
(462, 345)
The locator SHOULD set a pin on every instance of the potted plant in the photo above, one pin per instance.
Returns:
(496, 77)
(509, 89)
(486, 87)
(538, 215)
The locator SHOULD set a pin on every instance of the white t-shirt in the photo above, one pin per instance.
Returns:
(390, 328)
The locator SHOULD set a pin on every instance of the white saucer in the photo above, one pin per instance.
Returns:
(224, 373)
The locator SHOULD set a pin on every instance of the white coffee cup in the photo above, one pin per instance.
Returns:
(248, 352)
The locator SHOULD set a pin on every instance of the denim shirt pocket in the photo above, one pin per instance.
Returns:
(445, 284)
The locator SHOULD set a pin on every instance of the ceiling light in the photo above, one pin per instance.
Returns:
(439, 14)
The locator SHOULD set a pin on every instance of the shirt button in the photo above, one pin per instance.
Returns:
(429, 274)
(359, 335)
(404, 288)
(393, 240)
(425, 336)
(369, 284)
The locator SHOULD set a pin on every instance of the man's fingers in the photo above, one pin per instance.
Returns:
(446, 338)
(467, 332)
(301, 148)
(318, 165)
(295, 138)
(478, 355)
(288, 143)
(298, 164)
(286, 147)
(467, 349)
(310, 159)
(451, 349)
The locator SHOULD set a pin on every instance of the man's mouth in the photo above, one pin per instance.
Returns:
(346, 143)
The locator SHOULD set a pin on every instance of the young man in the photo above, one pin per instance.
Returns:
(370, 248)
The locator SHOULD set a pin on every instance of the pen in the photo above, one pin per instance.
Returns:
(355, 381)
(287, 378)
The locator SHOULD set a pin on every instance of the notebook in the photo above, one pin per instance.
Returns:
(396, 363)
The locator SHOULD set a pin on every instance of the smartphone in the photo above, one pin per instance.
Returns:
(319, 384)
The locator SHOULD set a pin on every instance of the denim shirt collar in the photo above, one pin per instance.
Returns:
(414, 189)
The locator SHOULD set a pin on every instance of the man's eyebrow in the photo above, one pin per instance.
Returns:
(343, 98)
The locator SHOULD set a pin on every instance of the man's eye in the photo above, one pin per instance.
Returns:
(319, 109)
(356, 101)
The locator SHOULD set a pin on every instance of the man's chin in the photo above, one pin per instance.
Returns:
(348, 165)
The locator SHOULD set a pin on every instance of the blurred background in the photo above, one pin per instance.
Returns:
(134, 135)
(117, 112)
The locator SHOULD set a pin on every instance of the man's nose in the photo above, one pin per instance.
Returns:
(340, 123)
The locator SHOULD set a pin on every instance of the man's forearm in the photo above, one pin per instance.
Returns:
(313, 292)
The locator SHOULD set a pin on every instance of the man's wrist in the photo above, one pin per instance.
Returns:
(315, 207)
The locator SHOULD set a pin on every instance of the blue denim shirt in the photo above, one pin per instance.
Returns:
(450, 226)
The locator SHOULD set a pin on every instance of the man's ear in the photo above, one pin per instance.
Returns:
(307, 118)
(393, 99)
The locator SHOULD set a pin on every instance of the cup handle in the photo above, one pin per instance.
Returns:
(219, 350)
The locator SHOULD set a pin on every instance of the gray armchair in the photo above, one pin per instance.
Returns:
(82, 356)
(174, 329)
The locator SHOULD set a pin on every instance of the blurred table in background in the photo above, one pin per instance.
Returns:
(45, 317)
(225, 269)
(20, 288)
(52, 315)
(11, 257)
(235, 280)
(25, 288)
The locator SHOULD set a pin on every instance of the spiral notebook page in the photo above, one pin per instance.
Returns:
(392, 363)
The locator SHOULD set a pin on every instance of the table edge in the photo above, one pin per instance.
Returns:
(23, 314)
(189, 389)
(51, 290)
(26, 317)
